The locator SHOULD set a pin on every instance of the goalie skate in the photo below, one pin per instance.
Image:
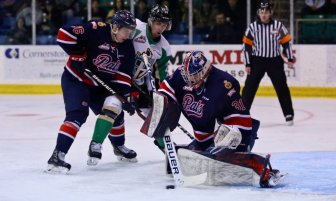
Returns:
(94, 153)
(272, 177)
(125, 154)
(276, 178)
(56, 163)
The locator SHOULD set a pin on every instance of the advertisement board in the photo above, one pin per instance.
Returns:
(315, 65)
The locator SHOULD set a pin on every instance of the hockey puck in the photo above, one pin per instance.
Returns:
(170, 186)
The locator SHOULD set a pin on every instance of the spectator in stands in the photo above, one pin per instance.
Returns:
(49, 20)
(184, 22)
(141, 10)
(175, 12)
(205, 18)
(12, 7)
(25, 12)
(6, 8)
(71, 8)
(97, 12)
(222, 32)
(314, 7)
(117, 5)
(332, 8)
(235, 13)
(19, 34)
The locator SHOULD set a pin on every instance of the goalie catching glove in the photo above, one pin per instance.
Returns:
(227, 137)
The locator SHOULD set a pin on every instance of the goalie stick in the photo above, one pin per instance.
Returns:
(179, 178)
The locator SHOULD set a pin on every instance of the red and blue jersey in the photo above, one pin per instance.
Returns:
(112, 62)
(219, 101)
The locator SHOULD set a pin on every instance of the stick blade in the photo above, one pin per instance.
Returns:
(194, 180)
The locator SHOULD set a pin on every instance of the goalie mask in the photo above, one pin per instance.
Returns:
(195, 69)
(160, 13)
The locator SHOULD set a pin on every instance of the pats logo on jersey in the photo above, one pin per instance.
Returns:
(108, 63)
(192, 107)
(12, 53)
(140, 39)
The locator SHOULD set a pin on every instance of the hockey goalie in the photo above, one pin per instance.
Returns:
(206, 95)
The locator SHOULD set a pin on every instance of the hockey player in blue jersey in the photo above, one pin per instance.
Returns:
(107, 51)
(207, 95)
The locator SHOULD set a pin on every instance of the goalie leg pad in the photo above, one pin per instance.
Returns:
(219, 173)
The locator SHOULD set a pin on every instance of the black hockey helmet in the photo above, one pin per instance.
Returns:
(265, 5)
(160, 13)
(124, 18)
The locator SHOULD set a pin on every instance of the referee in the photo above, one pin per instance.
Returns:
(262, 54)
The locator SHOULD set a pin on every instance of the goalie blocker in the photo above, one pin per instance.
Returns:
(163, 115)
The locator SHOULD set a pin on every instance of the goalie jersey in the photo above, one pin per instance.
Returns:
(112, 62)
(219, 101)
(160, 49)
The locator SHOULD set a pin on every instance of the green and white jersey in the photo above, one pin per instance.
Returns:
(160, 50)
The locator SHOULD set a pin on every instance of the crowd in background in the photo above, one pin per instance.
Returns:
(214, 21)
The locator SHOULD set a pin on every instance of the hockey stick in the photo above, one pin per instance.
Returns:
(108, 88)
(179, 178)
(151, 82)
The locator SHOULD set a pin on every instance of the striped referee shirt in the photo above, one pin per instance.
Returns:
(264, 40)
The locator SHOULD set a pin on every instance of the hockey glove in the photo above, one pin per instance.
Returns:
(132, 103)
(78, 62)
(227, 137)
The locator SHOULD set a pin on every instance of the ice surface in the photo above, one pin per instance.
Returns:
(29, 125)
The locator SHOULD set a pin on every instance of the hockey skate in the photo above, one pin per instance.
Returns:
(289, 120)
(270, 177)
(56, 163)
(125, 154)
(94, 153)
